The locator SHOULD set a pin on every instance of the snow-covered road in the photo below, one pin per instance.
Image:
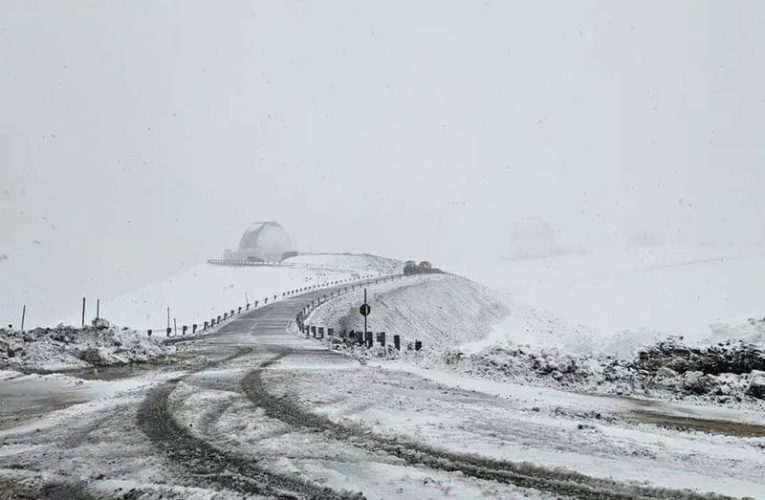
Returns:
(264, 413)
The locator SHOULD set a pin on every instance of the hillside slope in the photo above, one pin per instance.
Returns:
(613, 301)
(208, 289)
(441, 310)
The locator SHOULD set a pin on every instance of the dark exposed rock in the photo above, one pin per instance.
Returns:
(725, 357)
(93, 356)
(756, 387)
(722, 372)
(101, 323)
(697, 383)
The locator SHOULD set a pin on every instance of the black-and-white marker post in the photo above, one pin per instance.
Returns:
(365, 310)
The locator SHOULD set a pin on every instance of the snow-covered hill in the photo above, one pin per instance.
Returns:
(521, 336)
(207, 290)
(362, 263)
(439, 309)
(613, 301)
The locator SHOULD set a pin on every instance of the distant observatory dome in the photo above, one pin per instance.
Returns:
(532, 237)
(267, 241)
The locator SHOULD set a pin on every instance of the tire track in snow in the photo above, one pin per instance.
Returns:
(213, 465)
(557, 481)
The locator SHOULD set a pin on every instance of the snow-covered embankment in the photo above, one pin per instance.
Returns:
(441, 310)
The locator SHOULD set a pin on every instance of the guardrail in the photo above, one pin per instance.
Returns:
(243, 262)
(218, 321)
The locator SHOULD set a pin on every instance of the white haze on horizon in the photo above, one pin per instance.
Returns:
(140, 138)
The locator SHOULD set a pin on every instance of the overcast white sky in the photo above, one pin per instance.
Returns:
(138, 138)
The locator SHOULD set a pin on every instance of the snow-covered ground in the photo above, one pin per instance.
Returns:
(257, 408)
(612, 301)
(253, 408)
(467, 328)
(206, 290)
(195, 296)
(597, 436)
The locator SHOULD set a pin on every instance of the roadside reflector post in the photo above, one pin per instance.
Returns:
(381, 338)
(218, 320)
(169, 330)
(194, 328)
(183, 329)
(206, 325)
(417, 345)
(247, 307)
(397, 342)
(225, 315)
(256, 303)
(370, 339)
(240, 308)
(149, 332)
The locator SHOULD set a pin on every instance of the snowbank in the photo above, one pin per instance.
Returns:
(728, 372)
(66, 347)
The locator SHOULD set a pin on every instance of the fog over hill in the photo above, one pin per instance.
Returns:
(562, 200)
(143, 145)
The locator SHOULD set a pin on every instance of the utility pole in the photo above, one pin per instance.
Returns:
(83, 312)
(98, 308)
(175, 327)
(23, 317)
(168, 317)
(365, 316)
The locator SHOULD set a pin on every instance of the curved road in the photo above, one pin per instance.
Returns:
(263, 333)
